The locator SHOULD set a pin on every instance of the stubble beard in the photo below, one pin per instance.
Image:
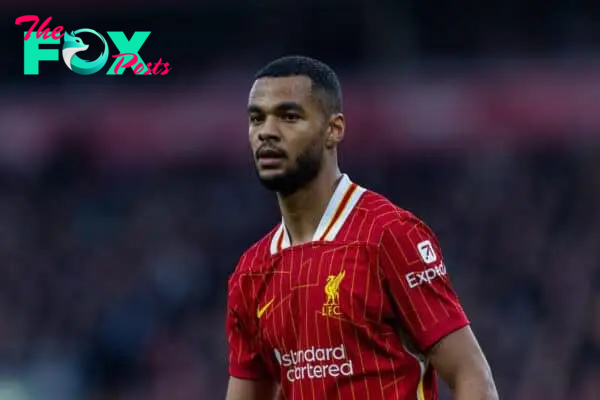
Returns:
(306, 168)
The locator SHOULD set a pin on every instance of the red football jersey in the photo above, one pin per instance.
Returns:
(348, 315)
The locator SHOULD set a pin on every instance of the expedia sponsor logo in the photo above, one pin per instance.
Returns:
(315, 363)
(415, 279)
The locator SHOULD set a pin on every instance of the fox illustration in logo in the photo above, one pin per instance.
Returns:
(73, 45)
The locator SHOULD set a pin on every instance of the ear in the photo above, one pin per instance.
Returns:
(335, 132)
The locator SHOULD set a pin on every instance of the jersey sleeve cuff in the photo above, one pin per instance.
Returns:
(241, 373)
(438, 332)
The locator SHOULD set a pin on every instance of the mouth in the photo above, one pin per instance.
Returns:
(270, 157)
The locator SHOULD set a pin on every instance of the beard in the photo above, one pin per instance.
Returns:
(305, 170)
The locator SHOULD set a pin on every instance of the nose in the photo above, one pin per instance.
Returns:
(269, 131)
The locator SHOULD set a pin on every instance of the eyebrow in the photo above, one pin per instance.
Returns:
(281, 107)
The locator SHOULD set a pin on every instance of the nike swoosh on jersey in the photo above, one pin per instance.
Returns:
(263, 309)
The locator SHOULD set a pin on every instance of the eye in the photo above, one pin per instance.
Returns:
(290, 117)
(255, 118)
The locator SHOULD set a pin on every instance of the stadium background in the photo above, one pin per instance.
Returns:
(125, 201)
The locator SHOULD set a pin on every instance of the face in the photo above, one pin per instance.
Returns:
(289, 132)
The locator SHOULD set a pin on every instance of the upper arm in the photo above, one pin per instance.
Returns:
(249, 375)
(414, 271)
(413, 267)
(245, 359)
(459, 360)
(243, 389)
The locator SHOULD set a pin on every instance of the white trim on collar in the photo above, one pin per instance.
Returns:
(344, 200)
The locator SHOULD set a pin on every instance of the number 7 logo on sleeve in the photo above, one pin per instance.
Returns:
(427, 252)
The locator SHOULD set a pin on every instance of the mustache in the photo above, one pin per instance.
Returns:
(267, 150)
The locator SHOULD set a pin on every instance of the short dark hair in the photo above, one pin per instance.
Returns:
(324, 79)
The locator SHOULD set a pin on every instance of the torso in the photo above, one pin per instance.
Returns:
(321, 315)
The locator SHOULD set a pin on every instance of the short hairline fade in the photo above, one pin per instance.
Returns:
(324, 80)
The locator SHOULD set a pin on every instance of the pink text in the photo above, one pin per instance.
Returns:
(55, 34)
(138, 69)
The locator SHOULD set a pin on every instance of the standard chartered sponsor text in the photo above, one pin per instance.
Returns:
(315, 363)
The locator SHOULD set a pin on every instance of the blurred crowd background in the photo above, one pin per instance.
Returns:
(125, 201)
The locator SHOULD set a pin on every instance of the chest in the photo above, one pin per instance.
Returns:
(319, 293)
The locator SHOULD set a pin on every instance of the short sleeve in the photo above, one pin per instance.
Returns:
(415, 273)
(245, 361)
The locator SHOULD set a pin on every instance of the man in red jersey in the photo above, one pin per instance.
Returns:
(348, 297)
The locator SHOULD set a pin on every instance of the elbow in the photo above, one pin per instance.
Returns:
(474, 386)
(489, 390)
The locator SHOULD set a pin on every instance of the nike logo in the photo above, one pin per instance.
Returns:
(263, 309)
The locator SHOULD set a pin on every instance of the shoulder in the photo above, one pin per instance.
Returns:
(255, 256)
(386, 219)
(241, 283)
(402, 237)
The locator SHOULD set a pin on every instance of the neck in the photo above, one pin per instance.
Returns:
(302, 211)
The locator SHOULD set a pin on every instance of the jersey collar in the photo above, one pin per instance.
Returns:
(340, 206)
